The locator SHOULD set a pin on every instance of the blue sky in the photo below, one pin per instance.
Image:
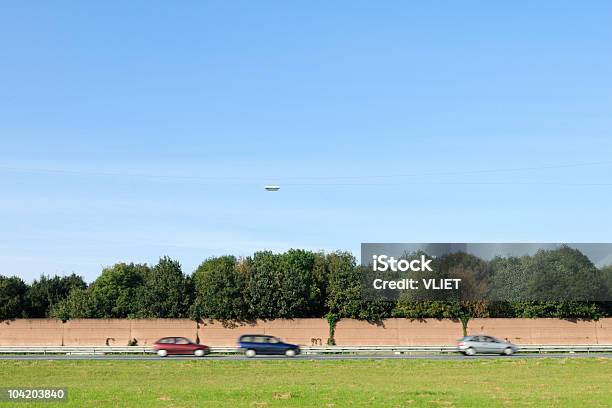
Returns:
(131, 130)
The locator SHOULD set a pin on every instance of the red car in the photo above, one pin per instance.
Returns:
(179, 345)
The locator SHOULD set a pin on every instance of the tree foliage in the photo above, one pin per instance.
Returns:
(12, 297)
(560, 283)
(116, 293)
(166, 292)
(46, 292)
(79, 304)
(345, 291)
(219, 290)
(282, 285)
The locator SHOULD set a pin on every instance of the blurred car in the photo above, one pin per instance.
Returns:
(253, 344)
(179, 345)
(471, 345)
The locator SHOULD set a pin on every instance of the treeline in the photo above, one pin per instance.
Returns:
(294, 284)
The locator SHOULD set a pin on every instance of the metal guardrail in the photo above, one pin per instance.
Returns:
(533, 348)
(378, 349)
(102, 350)
(578, 348)
(98, 350)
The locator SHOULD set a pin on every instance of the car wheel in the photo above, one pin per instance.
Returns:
(199, 353)
(250, 353)
(290, 353)
(508, 351)
(470, 352)
(162, 353)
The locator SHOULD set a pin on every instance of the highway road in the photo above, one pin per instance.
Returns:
(449, 357)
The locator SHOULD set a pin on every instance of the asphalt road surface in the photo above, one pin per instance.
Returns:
(454, 357)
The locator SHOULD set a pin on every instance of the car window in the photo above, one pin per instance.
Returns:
(272, 340)
(182, 340)
(260, 339)
(246, 339)
(168, 340)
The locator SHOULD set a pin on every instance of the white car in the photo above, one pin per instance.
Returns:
(471, 345)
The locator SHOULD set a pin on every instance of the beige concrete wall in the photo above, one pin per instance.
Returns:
(298, 331)
(397, 332)
(147, 331)
(604, 331)
(429, 331)
(411, 332)
(545, 331)
(91, 332)
(33, 332)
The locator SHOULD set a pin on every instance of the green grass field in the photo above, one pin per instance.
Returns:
(366, 383)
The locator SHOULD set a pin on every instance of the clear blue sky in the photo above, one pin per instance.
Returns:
(237, 94)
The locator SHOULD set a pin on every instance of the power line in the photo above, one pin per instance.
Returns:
(475, 183)
(322, 178)
(467, 172)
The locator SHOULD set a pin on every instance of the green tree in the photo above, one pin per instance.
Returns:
(46, 292)
(300, 294)
(219, 290)
(263, 290)
(606, 274)
(166, 292)
(557, 309)
(118, 291)
(560, 283)
(511, 279)
(564, 274)
(283, 285)
(12, 297)
(345, 291)
(344, 297)
(422, 309)
(320, 273)
(458, 262)
(78, 304)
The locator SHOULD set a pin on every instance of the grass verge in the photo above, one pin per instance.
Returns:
(571, 382)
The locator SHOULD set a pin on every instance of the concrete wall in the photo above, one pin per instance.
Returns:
(31, 332)
(117, 332)
(545, 331)
(397, 332)
(91, 332)
(298, 331)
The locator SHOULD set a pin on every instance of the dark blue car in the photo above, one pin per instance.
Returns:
(253, 344)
